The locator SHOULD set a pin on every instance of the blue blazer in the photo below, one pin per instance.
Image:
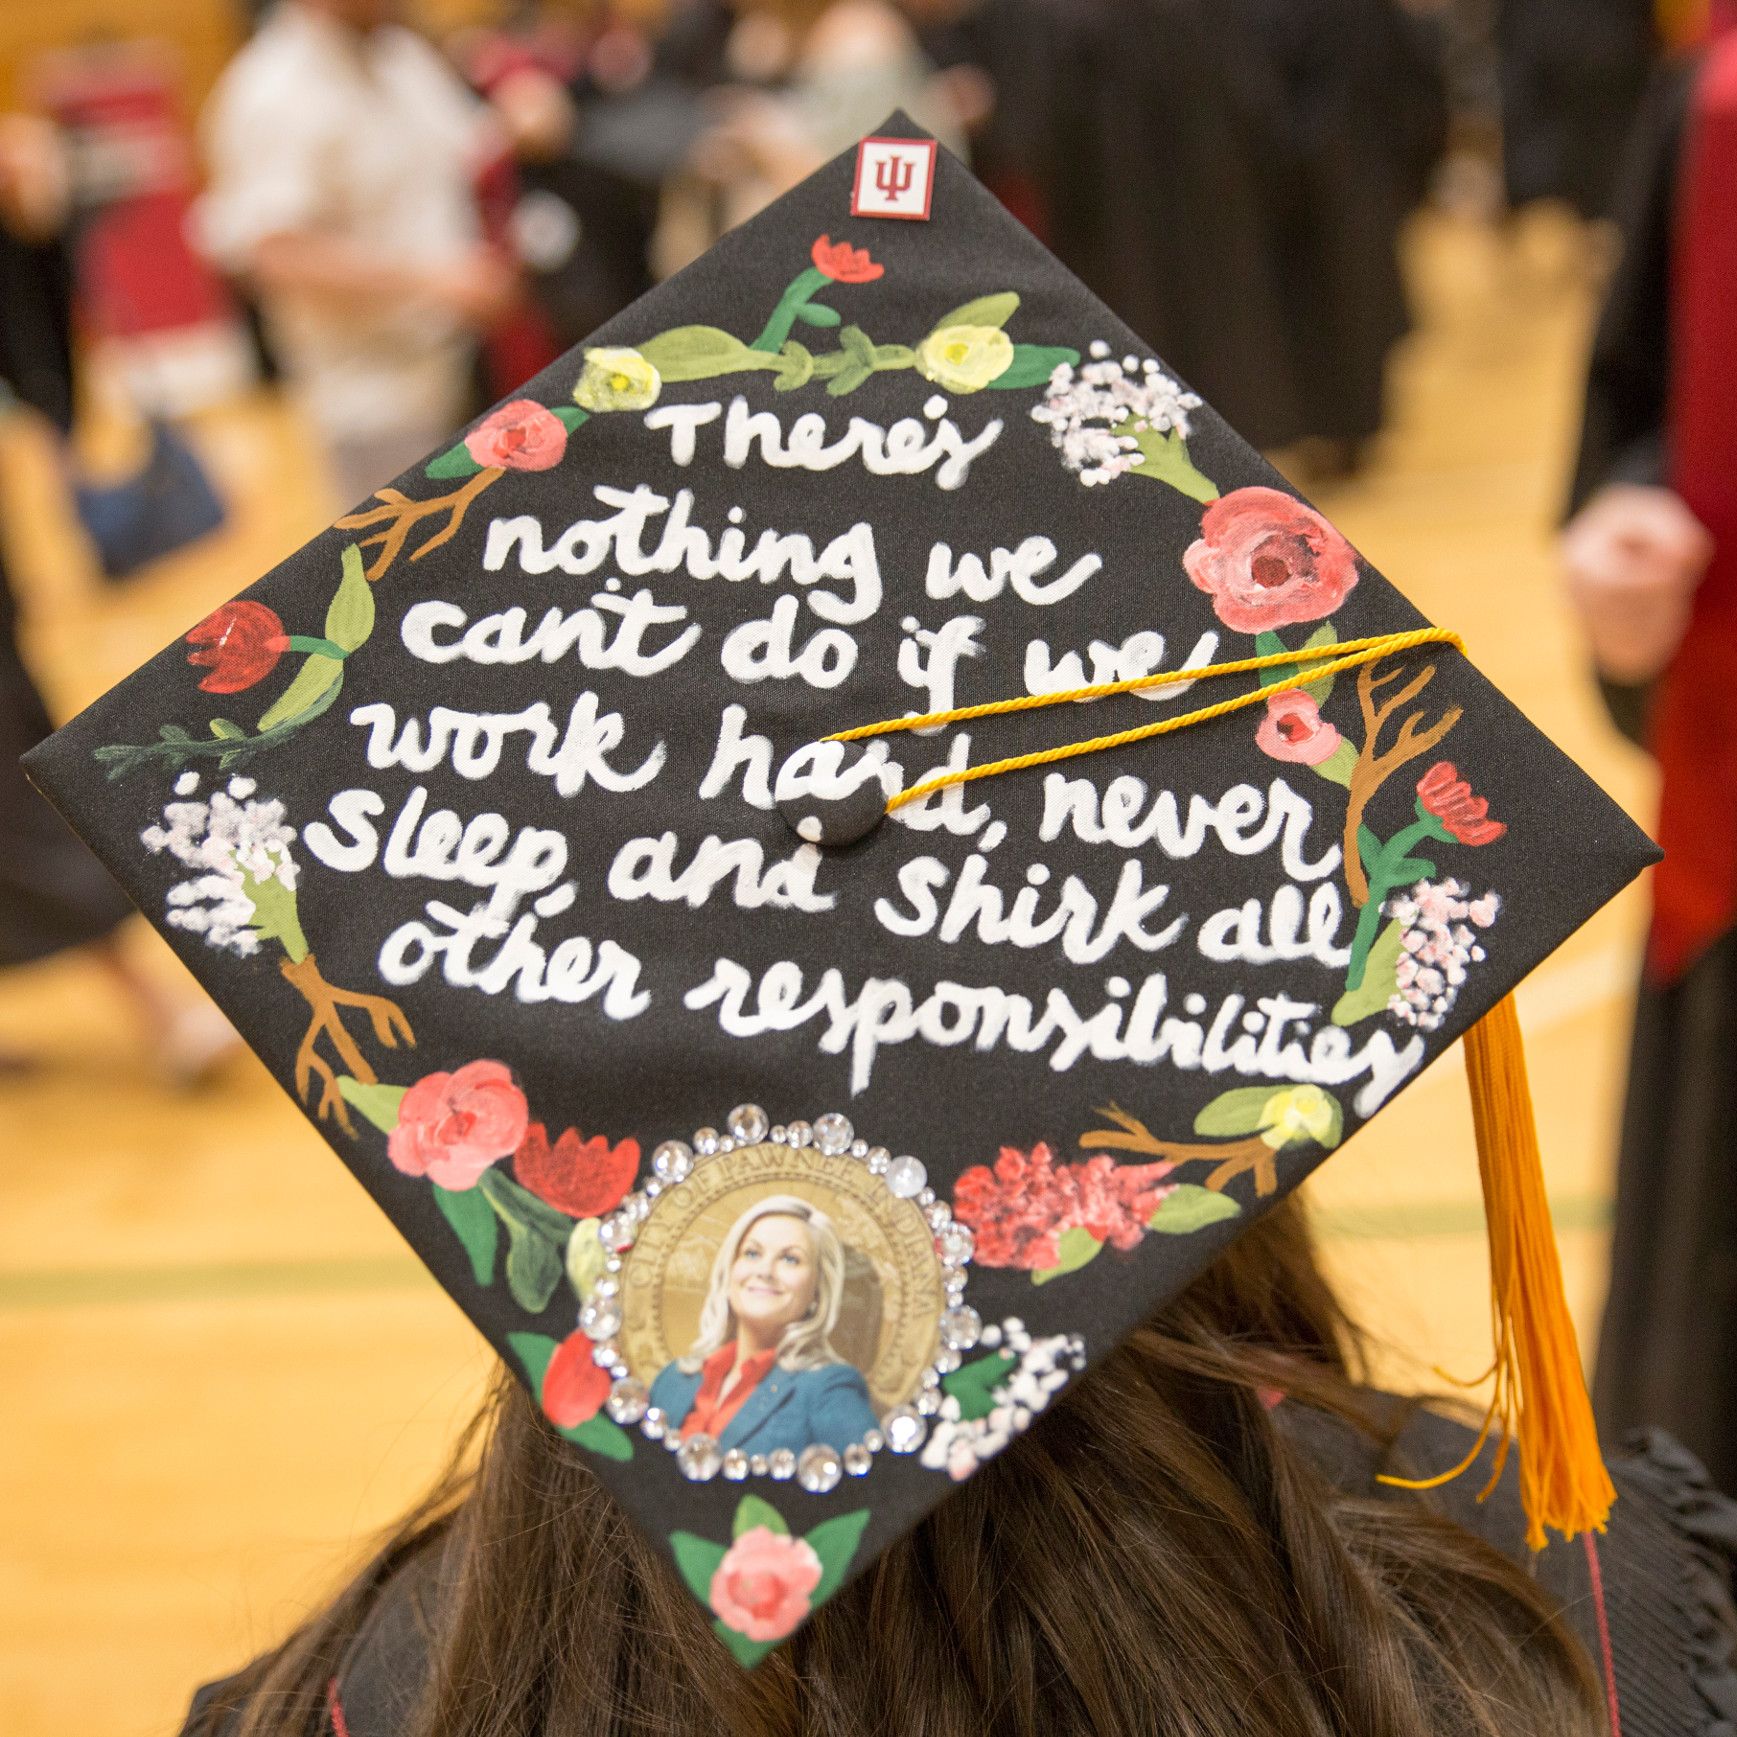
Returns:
(790, 1408)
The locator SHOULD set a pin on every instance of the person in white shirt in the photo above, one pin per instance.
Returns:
(341, 152)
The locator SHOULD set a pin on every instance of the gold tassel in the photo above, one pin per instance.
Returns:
(1540, 1401)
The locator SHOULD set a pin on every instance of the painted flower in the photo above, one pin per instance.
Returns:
(1439, 944)
(1019, 1210)
(239, 643)
(1297, 1114)
(242, 888)
(452, 1127)
(762, 1586)
(522, 435)
(1096, 413)
(1268, 560)
(583, 1178)
(965, 358)
(617, 380)
(843, 263)
(1442, 792)
(574, 1388)
(1294, 729)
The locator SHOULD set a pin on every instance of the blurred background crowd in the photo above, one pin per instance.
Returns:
(255, 262)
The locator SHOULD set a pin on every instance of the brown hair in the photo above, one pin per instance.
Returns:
(1154, 1557)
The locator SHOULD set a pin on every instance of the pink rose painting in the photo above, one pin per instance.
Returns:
(452, 1127)
(761, 1589)
(522, 435)
(1267, 560)
(1294, 729)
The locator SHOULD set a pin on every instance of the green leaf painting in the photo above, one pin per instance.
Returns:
(1380, 979)
(456, 461)
(1235, 1112)
(533, 1350)
(379, 1104)
(587, 1259)
(316, 678)
(472, 1220)
(1164, 457)
(1076, 1246)
(1189, 1207)
(350, 616)
(1032, 365)
(701, 353)
(275, 916)
(602, 1436)
(835, 1542)
(1268, 644)
(754, 1511)
(537, 1237)
(698, 1560)
(973, 1384)
(992, 310)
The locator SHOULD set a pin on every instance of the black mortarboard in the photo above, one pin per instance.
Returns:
(795, 1145)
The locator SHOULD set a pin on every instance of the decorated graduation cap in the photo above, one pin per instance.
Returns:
(825, 859)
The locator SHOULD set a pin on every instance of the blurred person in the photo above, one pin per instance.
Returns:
(55, 896)
(797, 82)
(1571, 74)
(1650, 556)
(1231, 178)
(592, 137)
(342, 152)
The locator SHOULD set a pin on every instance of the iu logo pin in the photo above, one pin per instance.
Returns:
(894, 178)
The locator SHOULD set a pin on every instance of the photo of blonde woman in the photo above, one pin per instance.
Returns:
(762, 1373)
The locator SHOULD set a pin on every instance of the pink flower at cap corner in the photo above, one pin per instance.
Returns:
(1268, 560)
(1447, 796)
(452, 1127)
(762, 1586)
(522, 435)
(574, 1387)
(1294, 729)
(239, 643)
(843, 263)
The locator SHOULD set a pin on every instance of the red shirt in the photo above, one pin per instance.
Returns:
(708, 1416)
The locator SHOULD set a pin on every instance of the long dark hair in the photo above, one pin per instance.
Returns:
(1155, 1557)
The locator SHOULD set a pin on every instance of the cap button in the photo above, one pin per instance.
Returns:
(834, 815)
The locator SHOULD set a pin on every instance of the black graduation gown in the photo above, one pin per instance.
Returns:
(53, 893)
(1572, 73)
(1668, 1349)
(1659, 1588)
(1343, 105)
(1153, 201)
(1231, 178)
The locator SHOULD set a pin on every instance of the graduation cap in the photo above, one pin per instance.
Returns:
(825, 859)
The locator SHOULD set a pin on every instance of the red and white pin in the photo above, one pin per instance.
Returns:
(894, 178)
